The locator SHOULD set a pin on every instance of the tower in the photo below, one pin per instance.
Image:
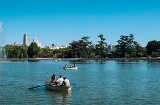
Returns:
(37, 42)
(26, 40)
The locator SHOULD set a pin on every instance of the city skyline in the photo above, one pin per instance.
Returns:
(27, 41)
(63, 21)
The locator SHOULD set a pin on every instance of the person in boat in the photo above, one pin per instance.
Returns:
(73, 65)
(53, 80)
(60, 80)
(65, 82)
(65, 65)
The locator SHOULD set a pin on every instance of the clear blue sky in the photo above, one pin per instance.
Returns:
(62, 21)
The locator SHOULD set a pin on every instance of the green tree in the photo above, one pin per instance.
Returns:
(101, 46)
(17, 52)
(155, 54)
(61, 53)
(13, 51)
(33, 50)
(46, 52)
(126, 46)
(65, 53)
(153, 46)
(9, 50)
(23, 51)
(56, 53)
(76, 48)
(139, 50)
(122, 45)
(81, 48)
(85, 46)
(131, 45)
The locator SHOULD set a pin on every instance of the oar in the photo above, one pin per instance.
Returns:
(74, 84)
(36, 86)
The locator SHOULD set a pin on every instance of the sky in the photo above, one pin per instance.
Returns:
(62, 21)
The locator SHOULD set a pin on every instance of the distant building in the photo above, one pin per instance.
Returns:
(54, 46)
(35, 40)
(111, 48)
(26, 40)
(14, 44)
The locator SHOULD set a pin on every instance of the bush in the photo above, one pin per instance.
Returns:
(155, 54)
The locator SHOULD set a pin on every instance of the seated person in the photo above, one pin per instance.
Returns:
(53, 80)
(66, 82)
(60, 80)
(65, 65)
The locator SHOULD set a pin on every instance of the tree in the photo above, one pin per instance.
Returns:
(76, 48)
(131, 45)
(61, 53)
(9, 51)
(155, 54)
(14, 51)
(126, 46)
(80, 48)
(101, 45)
(23, 51)
(56, 53)
(33, 50)
(85, 46)
(153, 46)
(46, 52)
(139, 50)
(121, 47)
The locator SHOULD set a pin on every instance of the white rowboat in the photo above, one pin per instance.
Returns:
(71, 68)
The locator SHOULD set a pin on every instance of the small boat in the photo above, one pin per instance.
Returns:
(57, 88)
(71, 68)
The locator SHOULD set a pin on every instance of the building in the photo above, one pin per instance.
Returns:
(26, 40)
(14, 44)
(54, 46)
(35, 40)
(111, 48)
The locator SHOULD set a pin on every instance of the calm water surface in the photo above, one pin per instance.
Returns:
(101, 82)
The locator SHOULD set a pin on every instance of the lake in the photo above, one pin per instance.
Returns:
(108, 82)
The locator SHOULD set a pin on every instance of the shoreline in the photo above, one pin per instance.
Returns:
(36, 59)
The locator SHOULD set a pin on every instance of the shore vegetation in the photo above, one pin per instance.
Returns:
(126, 47)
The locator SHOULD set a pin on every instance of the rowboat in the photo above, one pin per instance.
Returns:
(57, 88)
(71, 68)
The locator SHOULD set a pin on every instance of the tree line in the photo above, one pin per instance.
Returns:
(83, 48)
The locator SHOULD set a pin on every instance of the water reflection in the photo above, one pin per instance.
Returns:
(60, 97)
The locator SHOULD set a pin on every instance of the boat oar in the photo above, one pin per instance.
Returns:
(74, 84)
(36, 86)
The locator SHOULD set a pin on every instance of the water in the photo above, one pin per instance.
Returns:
(101, 82)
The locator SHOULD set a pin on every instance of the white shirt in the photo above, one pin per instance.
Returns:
(67, 82)
(60, 80)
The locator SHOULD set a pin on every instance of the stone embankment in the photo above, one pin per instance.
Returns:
(141, 58)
